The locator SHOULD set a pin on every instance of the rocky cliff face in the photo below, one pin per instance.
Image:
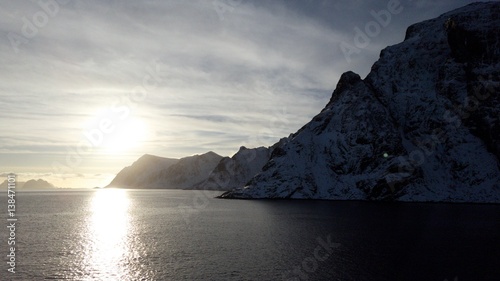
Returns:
(424, 125)
(236, 171)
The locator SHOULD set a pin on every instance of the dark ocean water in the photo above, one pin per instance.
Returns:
(188, 235)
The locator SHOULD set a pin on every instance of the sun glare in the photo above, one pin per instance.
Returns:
(112, 132)
(129, 134)
(108, 229)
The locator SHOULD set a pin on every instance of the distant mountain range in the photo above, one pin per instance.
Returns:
(156, 172)
(424, 125)
(31, 184)
(208, 171)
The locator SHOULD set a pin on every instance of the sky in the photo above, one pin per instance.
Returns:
(87, 87)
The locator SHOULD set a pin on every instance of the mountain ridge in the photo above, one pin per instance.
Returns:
(236, 171)
(151, 171)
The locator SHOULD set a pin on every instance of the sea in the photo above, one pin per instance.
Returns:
(134, 234)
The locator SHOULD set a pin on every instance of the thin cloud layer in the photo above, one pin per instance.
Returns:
(200, 75)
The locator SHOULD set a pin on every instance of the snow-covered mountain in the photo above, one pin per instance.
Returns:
(236, 171)
(157, 172)
(424, 125)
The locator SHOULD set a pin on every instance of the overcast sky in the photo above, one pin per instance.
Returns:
(87, 87)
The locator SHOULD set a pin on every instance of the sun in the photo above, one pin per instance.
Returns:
(127, 135)
(115, 132)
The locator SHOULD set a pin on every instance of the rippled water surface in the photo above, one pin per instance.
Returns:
(187, 235)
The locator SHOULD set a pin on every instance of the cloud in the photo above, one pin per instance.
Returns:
(209, 79)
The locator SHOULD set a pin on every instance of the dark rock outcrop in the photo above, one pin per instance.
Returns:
(236, 171)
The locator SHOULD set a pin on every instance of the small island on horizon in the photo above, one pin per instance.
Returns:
(30, 185)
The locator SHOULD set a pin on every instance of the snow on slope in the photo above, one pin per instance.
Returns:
(236, 171)
(423, 126)
(158, 172)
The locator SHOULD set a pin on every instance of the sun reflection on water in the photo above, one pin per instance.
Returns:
(108, 229)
